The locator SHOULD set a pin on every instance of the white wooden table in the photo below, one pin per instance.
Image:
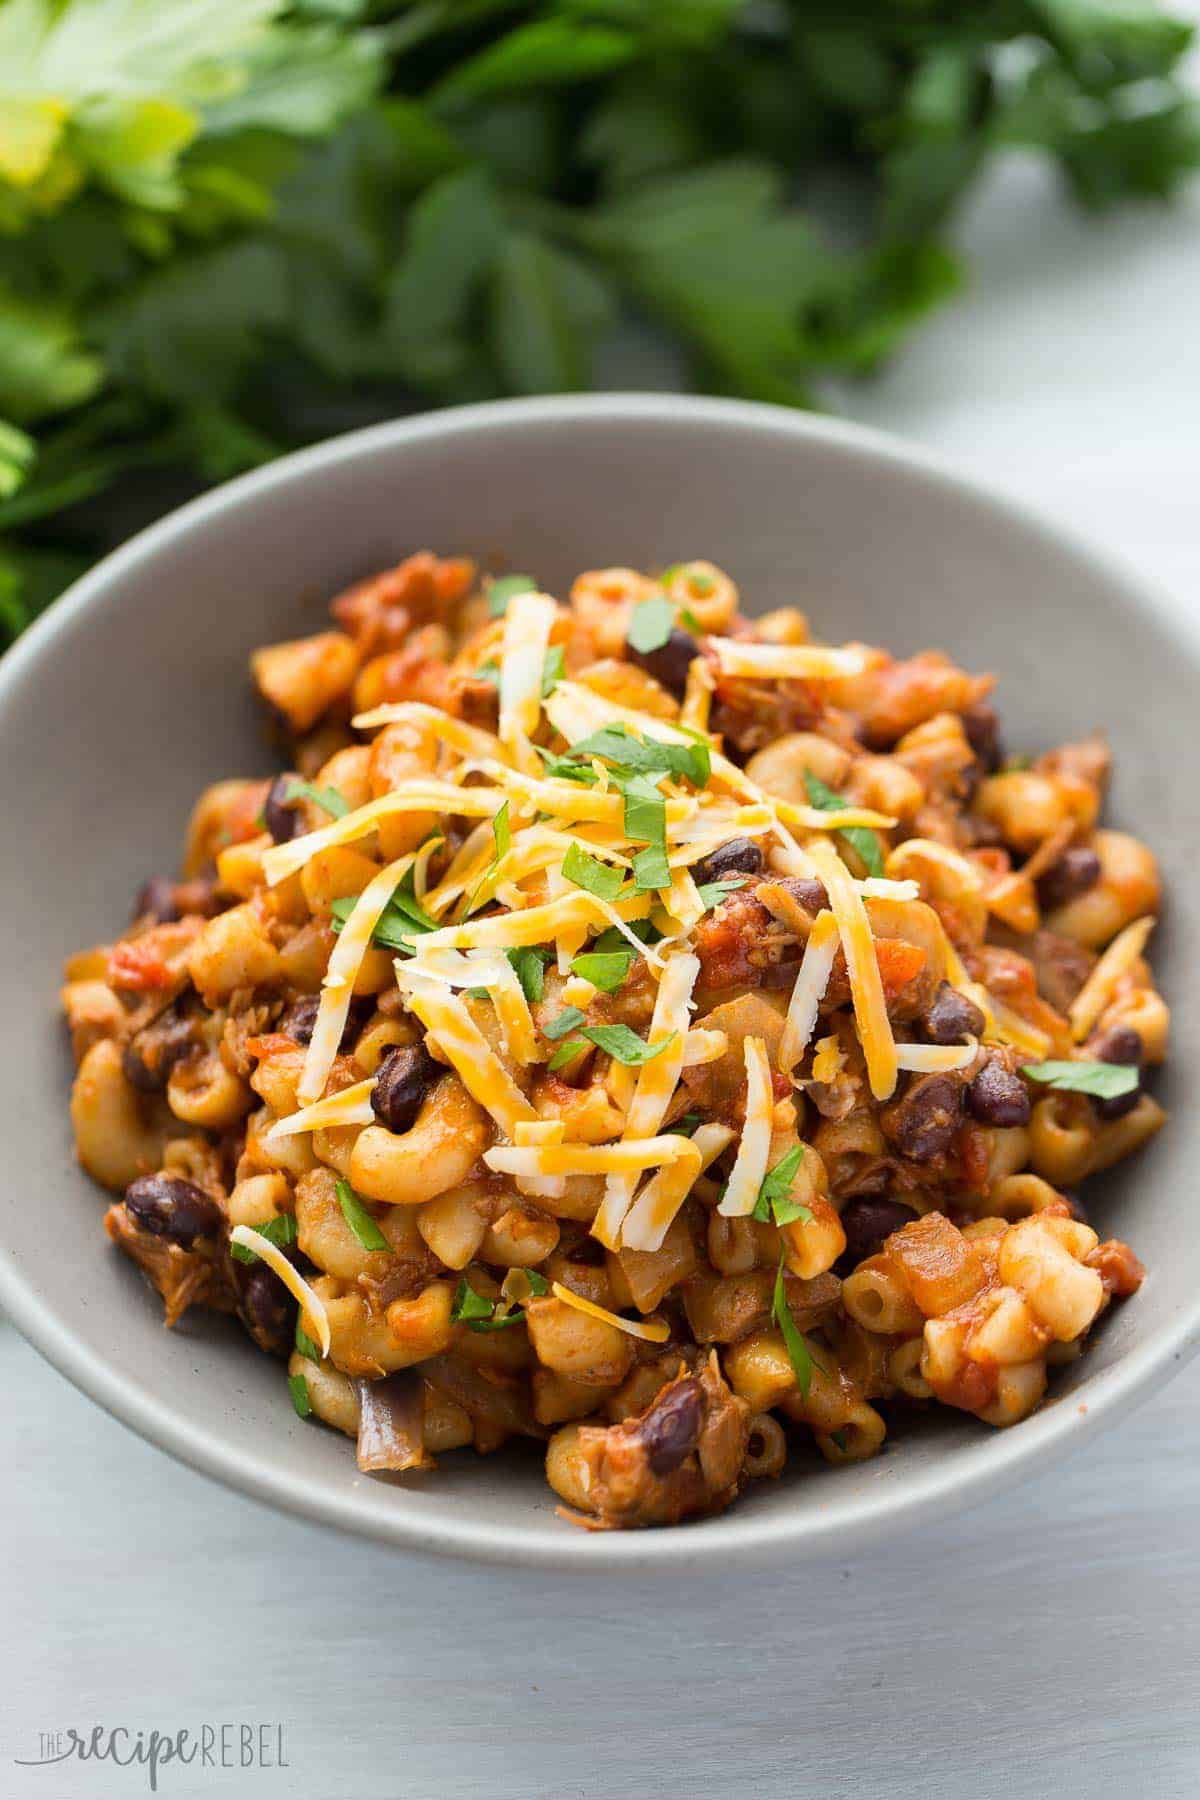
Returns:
(1047, 1644)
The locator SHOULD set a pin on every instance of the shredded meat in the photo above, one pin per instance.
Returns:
(194, 1277)
(680, 1458)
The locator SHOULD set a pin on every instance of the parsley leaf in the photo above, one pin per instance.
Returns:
(469, 1305)
(605, 970)
(360, 1221)
(650, 624)
(305, 1344)
(1103, 1081)
(799, 1353)
(566, 1053)
(861, 839)
(611, 939)
(280, 1231)
(590, 873)
(773, 1194)
(298, 1389)
(646, 755)
(530, 961)
(651, 869)
(327, 797)
(687, 617)
(552, 669)
(624, 1045)
(501, 831)
(645, 810)
(566, 1020)
(501, 590)
(687, 1126)
(713, 892)
(478, 1314)
(402, 919)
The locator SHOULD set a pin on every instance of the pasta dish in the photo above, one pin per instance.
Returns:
(633, 1026)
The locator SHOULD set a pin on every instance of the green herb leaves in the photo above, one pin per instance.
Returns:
(617, 1041)
(280, 1231)
(861, 839)
(1103, 1081)
(402, 919)
(588, 872)
(773, 1200)
(630, 755)
(713, 892)
(364, 1227)
(298, 1389)
(650, 625)
(799, 1354)
(530, 961)
(327, 797)
(479, 1314)
(605, 970)
(501, 590)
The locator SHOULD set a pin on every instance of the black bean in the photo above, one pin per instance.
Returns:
(811, 894)
(867, 1221)
(1119, 1044)
(282, 816)
(950, 1017)
(669, 664)
(404, 1078)
(925, 1123)
(157, 898)
(740, 856)
(1073, 873)
(152, 1053)
(670, 1429)
(983, 734)
(265, 1307)
(170, 1207)
(300, 1017)
(998, 1097)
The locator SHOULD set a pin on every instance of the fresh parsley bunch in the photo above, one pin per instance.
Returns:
(228, 226)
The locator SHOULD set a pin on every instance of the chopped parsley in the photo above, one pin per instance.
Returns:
(298, 1389)
(305, 1344)
(566, 1053)
(280, 1231)
(773, 1194)
(632, 755)
(360, 1221)
(687, 617)
(567, 1020)
(799, 1354)
(624, 1045)
(552, 669)
(1103, 1081)
(687, 1126)
(861, 839)
(651, 869)
(502, 589)
(402, 919)
(713, 892)
(529, 961)
(650, 625)
(605, 970)
(326, 797)
(479, 1314)
(590, 873)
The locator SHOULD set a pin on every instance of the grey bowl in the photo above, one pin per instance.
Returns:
(131, 694)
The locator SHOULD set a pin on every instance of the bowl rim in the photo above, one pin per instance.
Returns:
(843, 1525)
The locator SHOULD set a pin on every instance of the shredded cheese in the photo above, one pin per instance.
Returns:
(630, 1155)
(788, 662)
(816, 966)
(351, 1107)
(311, 1305)
(651, 1331)
(1010, 1028)
(703, 1047)
(528, 620)
(828, 1060)
(460, 736)
(935, 1059)
(282, 860)
(337, 988)
(750, 1163)
(866, 985)
(656, 1084)
(649, 1219)
(458, 1037)
(1117, 961)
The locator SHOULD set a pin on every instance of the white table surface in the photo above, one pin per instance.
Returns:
(1045, 1644)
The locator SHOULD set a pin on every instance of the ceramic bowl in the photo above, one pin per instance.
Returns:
(131, 694)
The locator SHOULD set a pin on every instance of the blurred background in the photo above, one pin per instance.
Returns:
(228, 227)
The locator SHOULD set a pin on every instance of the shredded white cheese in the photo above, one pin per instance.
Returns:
(337, 988)
(311, 1305)
(813, 978)
(866, 984)
(351, 1107)
(750, 1163)
(788, 662)
(651, 1331)
(458, 1037)
(1117, 961)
